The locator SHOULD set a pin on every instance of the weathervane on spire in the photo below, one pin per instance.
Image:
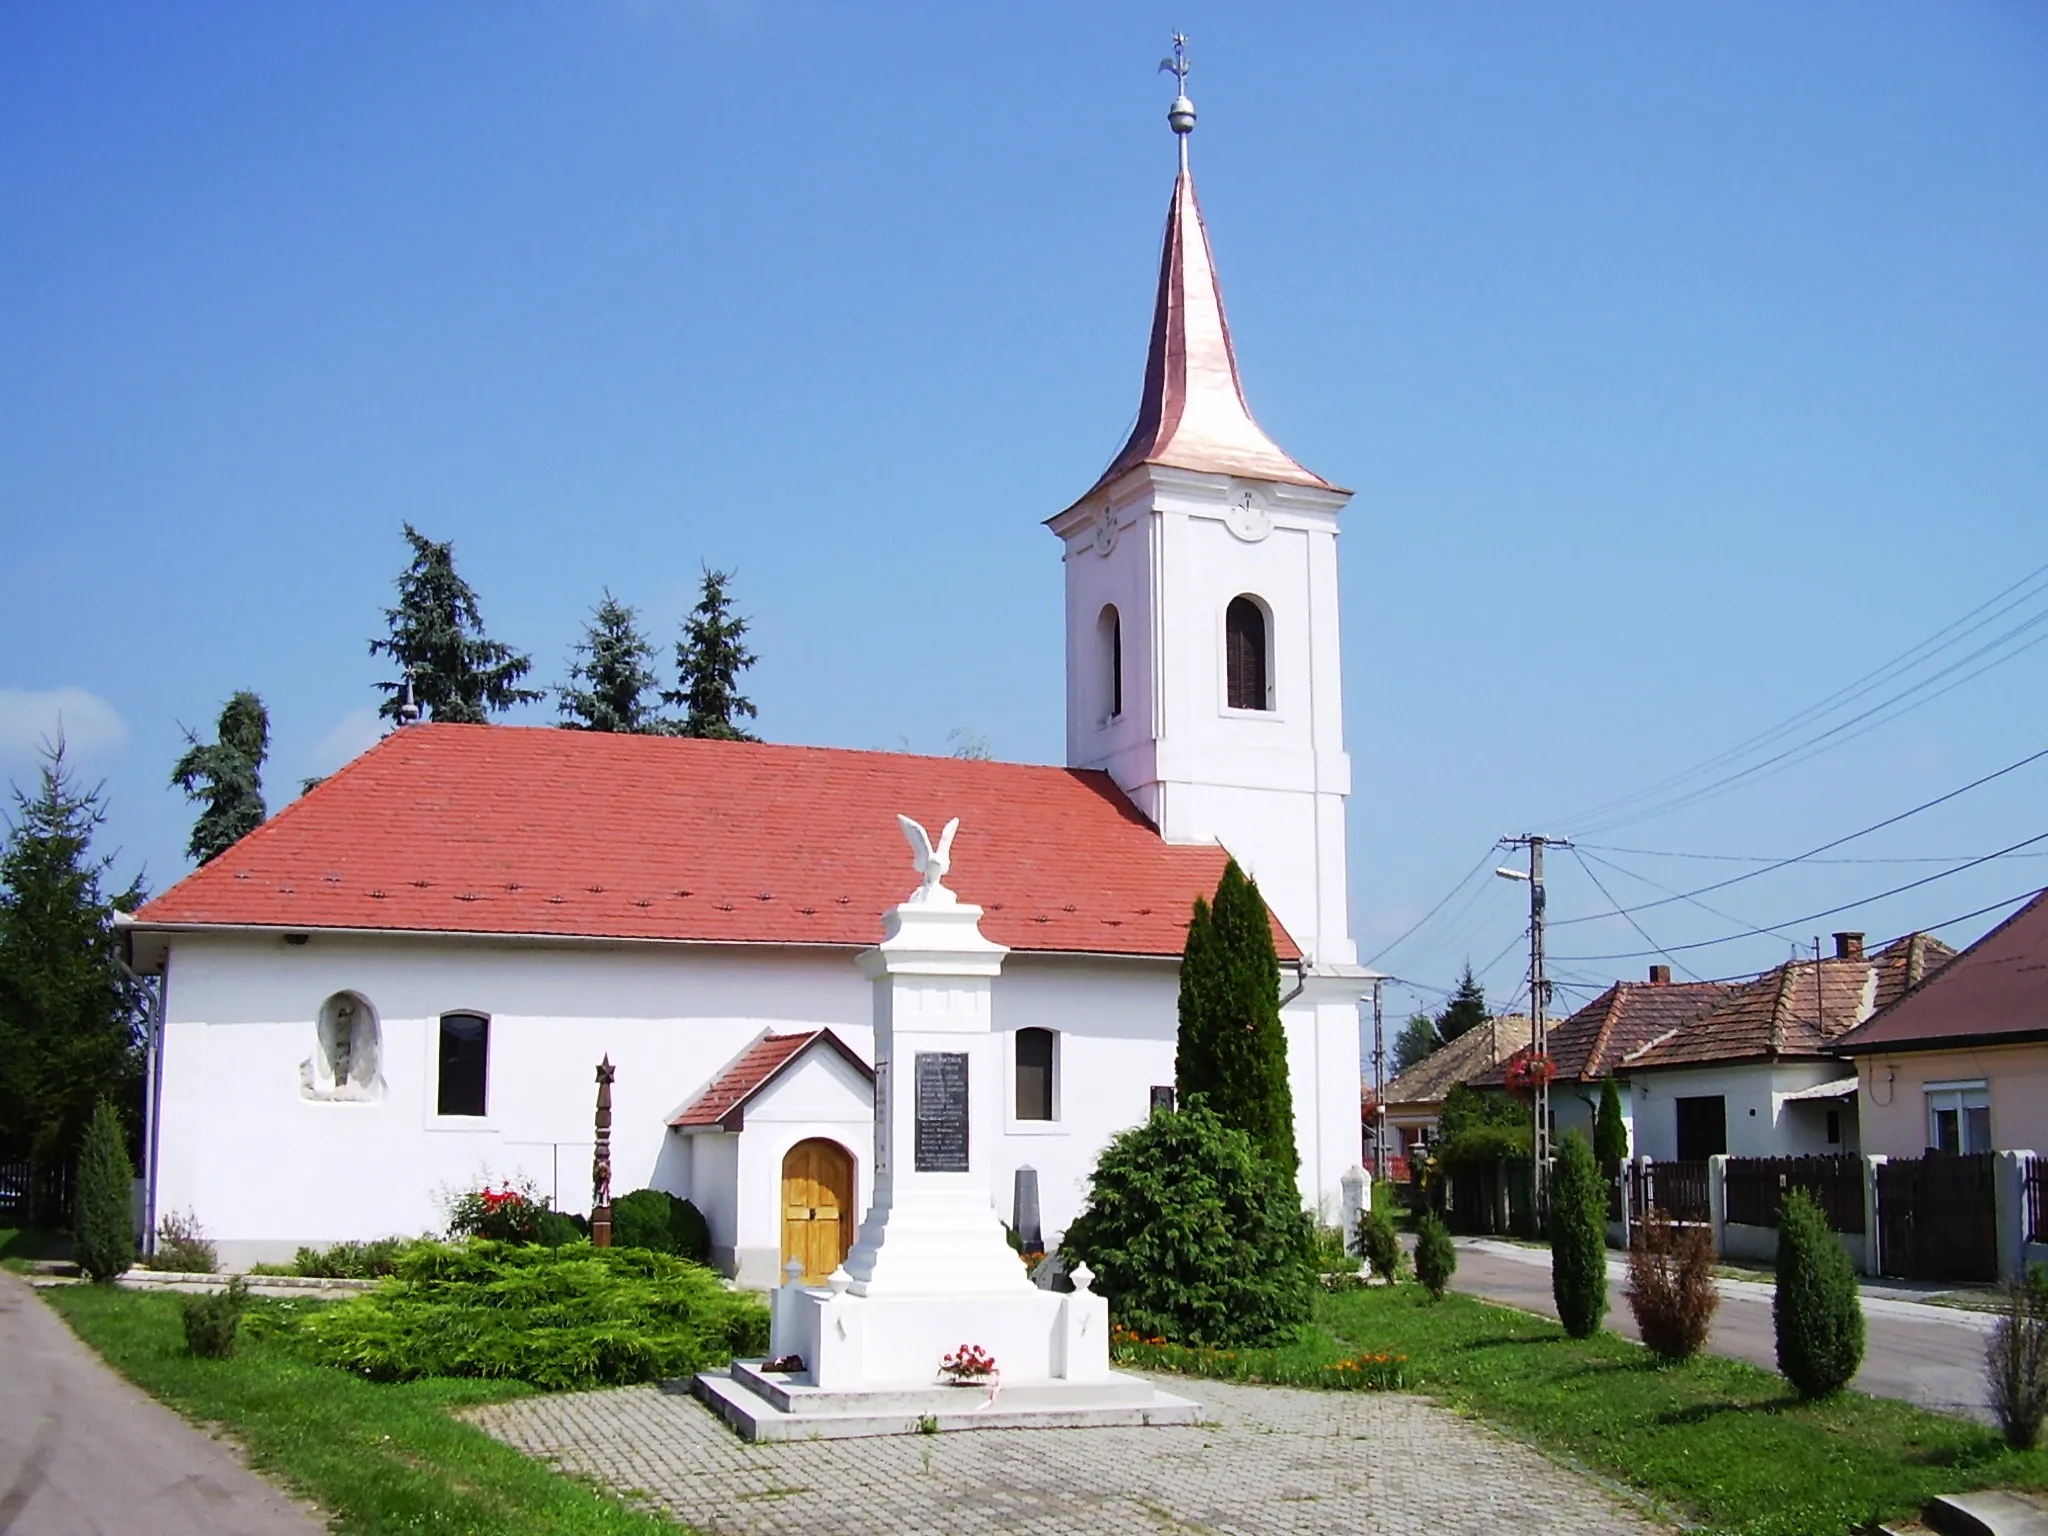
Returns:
(1181, 115)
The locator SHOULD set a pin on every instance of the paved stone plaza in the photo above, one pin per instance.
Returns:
(1273, 1460)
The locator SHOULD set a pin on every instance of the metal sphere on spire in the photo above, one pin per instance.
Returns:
(1181, 115)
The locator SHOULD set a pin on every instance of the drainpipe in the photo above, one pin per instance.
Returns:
(1300, 982)
(152, 1091)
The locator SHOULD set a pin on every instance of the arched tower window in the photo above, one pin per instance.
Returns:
(348, 1046)
(1111, 628)
(1247, 657)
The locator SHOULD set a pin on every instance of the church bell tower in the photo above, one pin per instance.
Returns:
(1203, 670)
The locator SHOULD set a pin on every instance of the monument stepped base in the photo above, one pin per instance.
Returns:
(768, 1405)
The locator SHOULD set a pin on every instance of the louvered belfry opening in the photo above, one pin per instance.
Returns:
(1244, 635)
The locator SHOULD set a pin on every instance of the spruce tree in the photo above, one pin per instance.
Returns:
(225, 776)
(611, 678)
(103, 1224)
(437, 638)
(709, 660)
(69, 1017)
(1465, 1011)
(1232, 1048)
(1417, 1041)
(1610, 1131)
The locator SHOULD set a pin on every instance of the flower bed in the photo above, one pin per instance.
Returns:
(1366, 1371)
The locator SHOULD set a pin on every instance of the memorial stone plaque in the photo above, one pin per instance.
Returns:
(941, 1136)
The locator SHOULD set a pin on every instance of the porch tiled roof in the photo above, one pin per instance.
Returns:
(723, 1102)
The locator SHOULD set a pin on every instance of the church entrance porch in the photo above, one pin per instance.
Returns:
(817, 1207)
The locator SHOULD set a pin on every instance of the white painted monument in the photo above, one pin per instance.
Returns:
(933, 1321)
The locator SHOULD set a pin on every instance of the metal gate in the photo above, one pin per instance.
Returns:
(1937, 1217)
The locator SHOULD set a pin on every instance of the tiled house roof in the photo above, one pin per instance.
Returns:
(1461, 1061)
(1628, 1015)
(533, 831)
(1994, 992)
(723, 1102)
(1796, 1010)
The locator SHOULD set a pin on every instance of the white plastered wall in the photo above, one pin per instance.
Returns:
(820, 1095)
(1760, 1123)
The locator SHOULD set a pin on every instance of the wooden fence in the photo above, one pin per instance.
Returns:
(1678, 1189)
(1937, 1217)
(1755, 1188)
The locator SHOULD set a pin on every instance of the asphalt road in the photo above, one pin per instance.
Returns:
(1933, 1356)
(83, 1452)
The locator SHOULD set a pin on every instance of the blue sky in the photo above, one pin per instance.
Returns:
(1688, 363)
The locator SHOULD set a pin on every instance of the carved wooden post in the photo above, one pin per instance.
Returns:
(601, 1160)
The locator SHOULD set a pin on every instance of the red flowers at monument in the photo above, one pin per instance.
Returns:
(970, 1362)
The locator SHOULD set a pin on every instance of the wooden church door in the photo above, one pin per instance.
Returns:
(817, 1206)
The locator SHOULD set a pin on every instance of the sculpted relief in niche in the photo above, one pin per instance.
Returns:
(347, 1050)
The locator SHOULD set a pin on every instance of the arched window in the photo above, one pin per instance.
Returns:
(465, 1064)
(1247, 659)
(1111, 629)
(347, 1059)
(1037, 1052)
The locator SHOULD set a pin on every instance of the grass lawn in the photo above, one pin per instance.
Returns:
(379, 1458)
(1716, 1439)
(19, 1245)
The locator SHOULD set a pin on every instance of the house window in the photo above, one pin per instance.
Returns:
(1246, 655)
(1111, 629)
(1958, 1117)
(1702, 1127)
(347, 1051)
(1037, 1050)
(1834, 1127)
(465, 1063)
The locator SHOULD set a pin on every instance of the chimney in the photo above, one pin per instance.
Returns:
(1848, 946)
(1660, 975)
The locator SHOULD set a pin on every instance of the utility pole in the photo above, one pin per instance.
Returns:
(1379, 1086)
(1539, 1002)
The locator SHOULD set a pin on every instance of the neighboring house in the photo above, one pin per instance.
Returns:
(1960, 1062)
(1754, 1075)
(1416, 1097)
(410, 974)
(1591, 1044)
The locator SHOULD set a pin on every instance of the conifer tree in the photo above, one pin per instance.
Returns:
(437, 638)
(1416, 1042)
(1578, 1237)
(709, 660)
(103, 1225)
(1610, 1131)
(1465, 1011)
(615, 678)
(225, 776)
(1232, 1049)
(69, 1016)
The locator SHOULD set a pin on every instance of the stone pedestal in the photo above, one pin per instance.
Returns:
(931, 1269)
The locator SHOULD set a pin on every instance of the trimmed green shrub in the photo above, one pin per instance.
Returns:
(1480, 1129)
(1195, 1236)
(211, 1321)
(1610, 1131)
(557, 1318)
(104, 1216)
(1817, 1309)
(1578, 1237)
(351, 1261)
(660, 1222)
(1231, 1049)
(182, 1246)
(1378, 1238)
(1436, 1258)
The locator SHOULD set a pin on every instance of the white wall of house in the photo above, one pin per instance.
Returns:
(267, 1168)
(1760, 1123)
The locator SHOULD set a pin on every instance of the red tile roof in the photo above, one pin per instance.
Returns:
(1472, 1056)
(1628, 1015)
(723, 1103)
(1995, 991)
(1789, 1012)
(492, 829)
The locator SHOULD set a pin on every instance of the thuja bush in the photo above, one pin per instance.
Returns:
(1195, 1236)
(1578, 1237)
(1436, 1257)
(104, 1213)
(2016, 1361)
(1379, 1239)
(1671, 1287)
(658, 1221)
(1817, 1309)
(558, 1318)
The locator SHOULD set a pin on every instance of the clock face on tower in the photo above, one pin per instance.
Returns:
(1248, 518)
(1105, 531)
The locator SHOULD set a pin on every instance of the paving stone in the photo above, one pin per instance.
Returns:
(1274, 1460)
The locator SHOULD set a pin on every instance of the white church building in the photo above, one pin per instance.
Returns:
(404, 982)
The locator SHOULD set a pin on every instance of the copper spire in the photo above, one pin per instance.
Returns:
(1192, 414)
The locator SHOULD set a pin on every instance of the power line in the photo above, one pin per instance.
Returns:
(1850, 906)
(1690, 900)
(1773, 858)
(1618, 912)
(1889, 821)
(1484, 859)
